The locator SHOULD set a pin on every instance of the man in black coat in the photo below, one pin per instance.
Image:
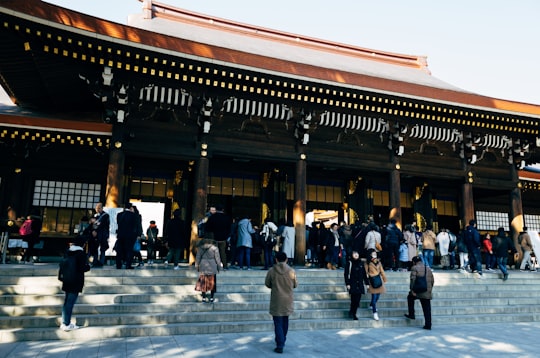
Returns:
(175, 238)
(218, 225)
(101, 228)
(502, 245)
(126, 235)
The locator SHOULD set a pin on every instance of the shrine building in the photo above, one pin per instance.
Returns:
(188, 110)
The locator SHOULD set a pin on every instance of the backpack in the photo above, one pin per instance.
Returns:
(67, 272)
(269, 239)
(26, 228)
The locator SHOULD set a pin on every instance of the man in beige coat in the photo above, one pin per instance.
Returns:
(526, 246)
(419, 270)
(281, 279)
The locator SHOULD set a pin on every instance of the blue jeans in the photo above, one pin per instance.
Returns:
(67, 308)
(428, 257)
(478, 258)
(491, 260)
(501, 261)
(332, 255)
(244, 251)
(374, 299)
(281, 327)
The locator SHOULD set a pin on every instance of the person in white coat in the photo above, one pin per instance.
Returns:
(444, 241)
(288, 239)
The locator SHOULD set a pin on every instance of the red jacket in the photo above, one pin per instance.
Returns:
(486, 244)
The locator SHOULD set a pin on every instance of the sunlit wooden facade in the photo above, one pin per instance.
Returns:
(189, 110)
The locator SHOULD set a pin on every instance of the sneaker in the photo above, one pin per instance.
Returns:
(376, 316)
(505, 277)
(70, 327)
(212, 300)
(165, 262)
(177, 267)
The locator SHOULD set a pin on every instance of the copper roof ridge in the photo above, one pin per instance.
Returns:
(63, 17)
(172, 13)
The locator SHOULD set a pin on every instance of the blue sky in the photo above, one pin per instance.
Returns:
(489, 47)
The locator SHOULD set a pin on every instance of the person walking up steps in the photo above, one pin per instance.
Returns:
(420, 271)
(208, 263)
(281, 280)
(502, 245)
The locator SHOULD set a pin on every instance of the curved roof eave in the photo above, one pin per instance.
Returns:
(404, 77)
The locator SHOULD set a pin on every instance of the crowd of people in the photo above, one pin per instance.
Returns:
(364, 251)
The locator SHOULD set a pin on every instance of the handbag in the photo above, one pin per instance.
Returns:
(375, 281)
(137, 246)
(420, 283)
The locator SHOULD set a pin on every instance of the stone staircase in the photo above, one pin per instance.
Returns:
(157, 301)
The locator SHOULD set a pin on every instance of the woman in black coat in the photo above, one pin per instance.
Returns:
(355, 278)
(73, 282)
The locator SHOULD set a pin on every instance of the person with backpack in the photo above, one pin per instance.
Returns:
(71, 273)
(268, 233)
(420, 272)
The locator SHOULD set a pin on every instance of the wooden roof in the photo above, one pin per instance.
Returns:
(403, 75)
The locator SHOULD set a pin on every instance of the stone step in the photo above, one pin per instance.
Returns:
(151, 302)
(224, 306)
(103, 332)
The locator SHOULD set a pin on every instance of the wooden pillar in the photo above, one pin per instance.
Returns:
(114, 197)
(299, 209)
(517, 221)
(467, 204)
(395, 195)
(434, 212)
(199, 203)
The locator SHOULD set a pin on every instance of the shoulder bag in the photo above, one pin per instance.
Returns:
(420, 283)
(375, 281)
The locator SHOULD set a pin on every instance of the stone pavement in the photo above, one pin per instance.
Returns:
(467, 341)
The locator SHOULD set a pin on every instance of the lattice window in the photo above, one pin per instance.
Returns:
(491, 221)
(532, 222)
(61, 194)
